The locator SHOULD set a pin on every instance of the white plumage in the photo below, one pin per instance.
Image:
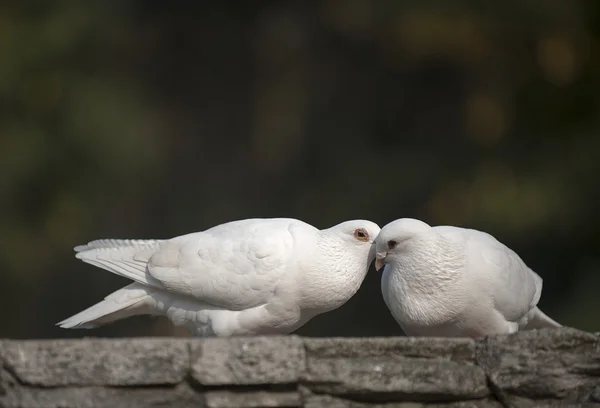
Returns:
(255, 276)
(450, 281)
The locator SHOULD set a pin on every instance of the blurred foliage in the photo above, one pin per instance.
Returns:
(147, 119)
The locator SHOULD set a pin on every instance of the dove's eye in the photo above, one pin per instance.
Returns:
(392, 244)
(361, 234)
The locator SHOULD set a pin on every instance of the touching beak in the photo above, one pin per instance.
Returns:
(380, 260)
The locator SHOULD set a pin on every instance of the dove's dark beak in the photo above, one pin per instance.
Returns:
(380, 260)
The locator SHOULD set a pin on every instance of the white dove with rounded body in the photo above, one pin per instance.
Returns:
(247, 277)
(455, 282)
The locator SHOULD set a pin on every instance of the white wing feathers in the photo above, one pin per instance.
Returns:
(516, 288)
(127, 261)
(115, 243)
(234, 266)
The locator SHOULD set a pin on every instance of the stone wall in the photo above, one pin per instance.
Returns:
(538, 368)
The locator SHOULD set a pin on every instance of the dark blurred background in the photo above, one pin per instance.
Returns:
(151, 119)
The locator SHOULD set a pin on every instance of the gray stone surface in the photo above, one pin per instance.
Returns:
(52, 363)
(385, 379)
(248, 360)
(181, 396)
(393, 369)
(547, 368)
(547, 364)
(327, 401)
(252, 399)
(424, 347)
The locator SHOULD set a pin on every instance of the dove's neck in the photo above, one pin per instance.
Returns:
(333, 276)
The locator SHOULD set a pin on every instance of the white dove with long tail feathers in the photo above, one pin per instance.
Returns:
(247, 277)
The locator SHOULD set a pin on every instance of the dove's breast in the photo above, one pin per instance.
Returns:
(426, 287)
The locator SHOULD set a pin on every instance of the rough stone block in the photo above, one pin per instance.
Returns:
(394, 369)
(549, 364)
(181, 396)
(424, 347)
(327, 401)
(409, 379)
(250, 360)
(252, 399)
(87, 362)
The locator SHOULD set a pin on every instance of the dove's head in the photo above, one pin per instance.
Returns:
(338, 265)
(395, 237)
(359, 234)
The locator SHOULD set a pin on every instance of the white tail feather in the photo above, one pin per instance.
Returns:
(127, 261)
(115, 243)
(128, 301)
(540, 321)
